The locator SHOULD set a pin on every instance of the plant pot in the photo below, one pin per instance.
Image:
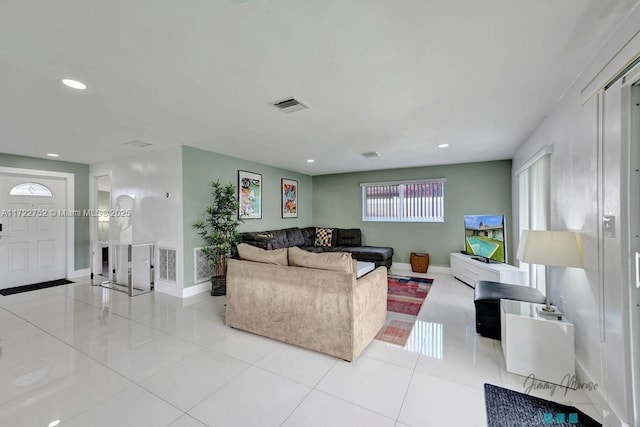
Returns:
(218, 285)
(419, 262)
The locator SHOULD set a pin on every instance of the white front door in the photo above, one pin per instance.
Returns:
(32, 239)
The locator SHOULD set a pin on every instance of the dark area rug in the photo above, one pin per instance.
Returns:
(34, 287)
(508, 408)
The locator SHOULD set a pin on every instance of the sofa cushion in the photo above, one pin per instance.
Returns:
(279, 240)
(319, 249)
(334, 261)
(294, 236)
(323, 236)
(309, 234)
(348, 237)
(257, 236)
(316, 249)
(252, 253)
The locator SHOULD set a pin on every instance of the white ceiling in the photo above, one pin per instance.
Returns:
(398, 77)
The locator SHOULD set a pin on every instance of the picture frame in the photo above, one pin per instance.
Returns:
(289, 198)
(249, 195)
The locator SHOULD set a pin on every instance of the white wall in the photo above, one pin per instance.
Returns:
(148, 177)
(572, 129)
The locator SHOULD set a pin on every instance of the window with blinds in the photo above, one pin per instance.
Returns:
(404, 201)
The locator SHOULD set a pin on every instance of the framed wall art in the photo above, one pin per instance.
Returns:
(289, 198)
(249, 195)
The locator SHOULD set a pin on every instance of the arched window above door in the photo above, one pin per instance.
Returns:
(30, 189)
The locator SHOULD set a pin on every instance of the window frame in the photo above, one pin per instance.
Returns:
(399, 205)
(534, 206)
(18, 190)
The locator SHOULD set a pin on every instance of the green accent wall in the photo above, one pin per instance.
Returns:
(471, 188)
(200, 167)
(81, 196)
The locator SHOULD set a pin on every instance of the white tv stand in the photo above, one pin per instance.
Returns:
(469, 270)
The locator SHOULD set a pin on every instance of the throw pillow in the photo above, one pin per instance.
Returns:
(252, 253)
(323, 236)
(334, 261)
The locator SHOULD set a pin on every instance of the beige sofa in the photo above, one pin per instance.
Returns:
(327, 311)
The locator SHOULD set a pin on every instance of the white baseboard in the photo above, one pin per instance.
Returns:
(196, 289)
(611, 418)
(405, 266)
(168, 289)
(176, 291)
(595, 396)
(80, 274)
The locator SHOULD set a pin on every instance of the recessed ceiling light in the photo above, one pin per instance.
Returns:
(74, 84)
(54, 423)
(310, 160)
(370, 154)
(53, 155)
(445, 145)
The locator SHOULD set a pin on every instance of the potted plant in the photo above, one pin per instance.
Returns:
(219, 231)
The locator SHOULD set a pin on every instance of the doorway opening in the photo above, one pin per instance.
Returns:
(101, 225)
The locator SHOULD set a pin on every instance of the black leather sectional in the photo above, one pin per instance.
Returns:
(342, 240)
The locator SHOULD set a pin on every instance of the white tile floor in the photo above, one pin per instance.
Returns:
(90, 357)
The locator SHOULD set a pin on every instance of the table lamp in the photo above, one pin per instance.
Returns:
(550, 248)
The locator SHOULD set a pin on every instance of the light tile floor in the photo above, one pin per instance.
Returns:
(88, 356)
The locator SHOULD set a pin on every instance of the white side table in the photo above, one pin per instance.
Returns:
(364, 268)
(535, 344)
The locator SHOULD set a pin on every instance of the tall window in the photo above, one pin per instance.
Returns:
(404, 201)
(534, 206)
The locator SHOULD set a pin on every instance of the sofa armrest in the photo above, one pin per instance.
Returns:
(369, 307)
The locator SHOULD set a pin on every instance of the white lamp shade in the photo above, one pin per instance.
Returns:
(555, 248)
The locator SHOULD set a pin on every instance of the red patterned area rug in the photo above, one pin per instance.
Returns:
(405, 296)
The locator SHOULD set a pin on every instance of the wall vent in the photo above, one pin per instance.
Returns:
(370, 154)
(289, 105)
(137, 143)
(167, 270)
(202, 270)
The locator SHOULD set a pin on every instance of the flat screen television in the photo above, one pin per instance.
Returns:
(484, 237)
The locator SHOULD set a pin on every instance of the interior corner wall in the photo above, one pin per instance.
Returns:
(201, 167)
(471, 188)
(148, 177)
(81, 196)
(572, 129)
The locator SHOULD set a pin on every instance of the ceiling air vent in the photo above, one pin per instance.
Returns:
(289, 105)
(137, 143)
(370, 154)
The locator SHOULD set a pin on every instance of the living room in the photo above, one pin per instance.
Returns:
(170, 180)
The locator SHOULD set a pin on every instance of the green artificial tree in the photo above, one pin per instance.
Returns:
(219, 231)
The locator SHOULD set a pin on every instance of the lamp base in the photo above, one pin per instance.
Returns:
(550, 312)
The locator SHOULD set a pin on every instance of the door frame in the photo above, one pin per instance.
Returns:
(93, 221)
(69, 223)
(630, 142)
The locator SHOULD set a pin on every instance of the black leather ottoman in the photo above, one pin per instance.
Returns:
(487, 301)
